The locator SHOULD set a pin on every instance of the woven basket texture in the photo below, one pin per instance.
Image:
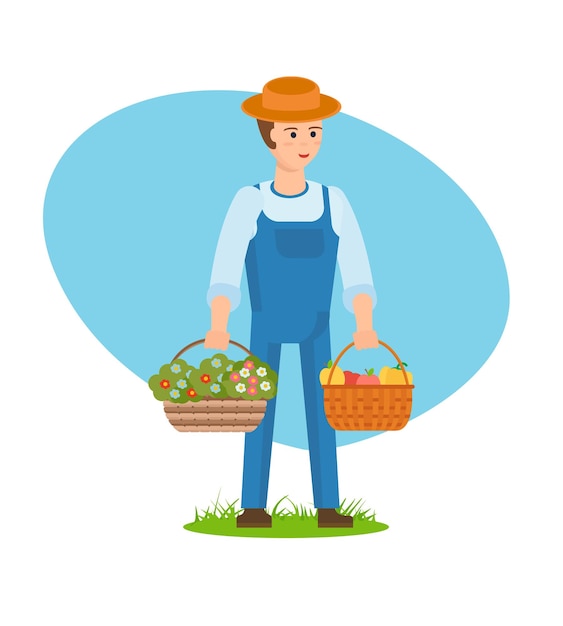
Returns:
(216, 415)
(367, 407)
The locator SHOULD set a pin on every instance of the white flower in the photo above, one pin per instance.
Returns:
(244, 372)
(241, 387)
(265, 386)
(261, 371)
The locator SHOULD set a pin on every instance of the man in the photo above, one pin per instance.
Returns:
(291, 233)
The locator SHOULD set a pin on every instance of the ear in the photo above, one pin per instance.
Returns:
(273, 137)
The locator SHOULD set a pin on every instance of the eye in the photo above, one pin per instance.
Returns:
(313, 133)
(293, 134)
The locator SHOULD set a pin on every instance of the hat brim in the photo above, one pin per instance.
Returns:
(253, 106)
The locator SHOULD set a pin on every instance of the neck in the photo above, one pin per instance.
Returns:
(289, 182)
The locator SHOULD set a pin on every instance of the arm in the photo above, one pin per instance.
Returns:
(365, 336)
(217, 337)
(359, 295)
(224, 290)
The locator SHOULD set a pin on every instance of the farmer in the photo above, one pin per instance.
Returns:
(290, 233)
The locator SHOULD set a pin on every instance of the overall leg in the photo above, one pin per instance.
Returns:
(258, 443)
(315, 353)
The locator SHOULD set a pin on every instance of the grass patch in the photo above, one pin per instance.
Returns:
(289, 520)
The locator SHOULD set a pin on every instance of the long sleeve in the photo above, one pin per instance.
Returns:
(353, 260)
(232, 245)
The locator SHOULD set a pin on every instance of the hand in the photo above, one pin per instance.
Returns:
(365, 339)
(217, 340)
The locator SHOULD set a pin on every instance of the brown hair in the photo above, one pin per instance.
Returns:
(265, 128)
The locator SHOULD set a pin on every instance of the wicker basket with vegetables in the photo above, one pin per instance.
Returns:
(366, 401)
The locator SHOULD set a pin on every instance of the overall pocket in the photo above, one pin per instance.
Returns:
(300, 244)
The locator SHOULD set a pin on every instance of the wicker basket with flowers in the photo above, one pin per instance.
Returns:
(219, 395)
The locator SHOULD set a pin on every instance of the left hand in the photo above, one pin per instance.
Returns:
(365, 339)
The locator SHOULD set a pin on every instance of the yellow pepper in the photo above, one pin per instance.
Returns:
(394, 375)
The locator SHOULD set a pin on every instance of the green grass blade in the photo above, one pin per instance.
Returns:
(290, 520)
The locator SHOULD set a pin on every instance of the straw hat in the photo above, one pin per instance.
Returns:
(290, 99)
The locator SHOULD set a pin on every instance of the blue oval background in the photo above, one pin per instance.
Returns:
(134, 208)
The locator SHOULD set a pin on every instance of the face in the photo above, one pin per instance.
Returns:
(297, 144)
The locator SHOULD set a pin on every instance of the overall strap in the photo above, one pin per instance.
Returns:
(325, 199)
(326, 210)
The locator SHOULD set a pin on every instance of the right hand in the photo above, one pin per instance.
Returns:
(217, 340)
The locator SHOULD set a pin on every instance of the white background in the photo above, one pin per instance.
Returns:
(95, 484)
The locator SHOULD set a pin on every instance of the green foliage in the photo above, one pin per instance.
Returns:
(216, 377)
(172, 381)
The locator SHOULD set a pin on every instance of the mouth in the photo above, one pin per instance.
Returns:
(304, 156)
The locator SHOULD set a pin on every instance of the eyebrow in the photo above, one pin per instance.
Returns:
(295, 128)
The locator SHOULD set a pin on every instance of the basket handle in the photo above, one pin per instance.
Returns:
(196, 343)
(381, 343)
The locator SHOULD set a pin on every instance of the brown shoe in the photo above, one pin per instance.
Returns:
(329, 518)
(254, 518)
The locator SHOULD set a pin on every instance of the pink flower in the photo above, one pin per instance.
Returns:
(235, 376)
(249, 365)
(252, 380)
(251, 391)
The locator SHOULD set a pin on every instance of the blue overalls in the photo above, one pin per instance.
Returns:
(290, 268)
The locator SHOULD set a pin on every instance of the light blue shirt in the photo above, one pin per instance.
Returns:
(240, 227)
